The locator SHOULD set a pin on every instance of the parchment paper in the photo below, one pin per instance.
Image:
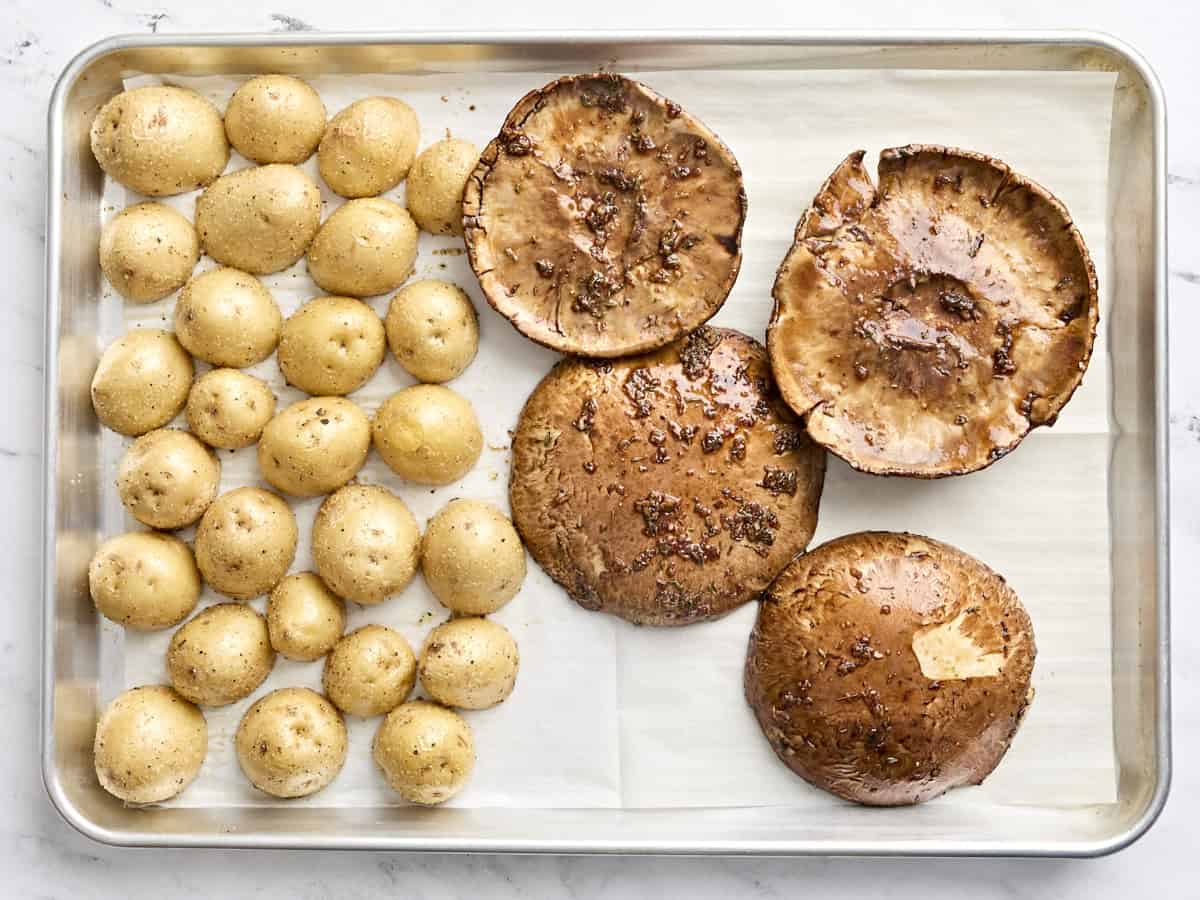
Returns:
(608, 715)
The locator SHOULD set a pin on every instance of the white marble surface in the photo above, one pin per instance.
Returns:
(42, 857)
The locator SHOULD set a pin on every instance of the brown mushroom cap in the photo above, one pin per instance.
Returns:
(925, 326)
(604, 220)
(667, 488)
(889, 668)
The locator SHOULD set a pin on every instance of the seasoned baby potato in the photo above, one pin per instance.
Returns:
(315, 446)
(144, 580)
(472, 558)
(229, 409)
(150, 744)
(366, 247)
(246, 542)
(365, 543)
(141, 382)
(305, 617)
(331, 346)
(275, 119)
(469, 662)
(227, 318)
(259, 220)
(368, 147)
(291, 743)
(370, 671)
(435, 185)
(428, 434)
(221, 655)
(426, 752)
(160, 140)
(148, 251)
(433, 330)
(167, 479)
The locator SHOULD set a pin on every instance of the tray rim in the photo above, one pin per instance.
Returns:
(1132, 58)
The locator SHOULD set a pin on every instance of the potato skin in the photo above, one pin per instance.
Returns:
(433, 330)
(147, 251)
(167, 479)
(160, 140)
(246, 542)
(368, 147)
(426, 752)
(144, 580)
(150, 744)
(291, 743)
(259, 220)
(472, 558)
(227, 318)
(275, 119)
(141, 382)
(365, 543)
(229, 409)
(469, 662)
(366, 247)
(304, 617)
(370, 671)
(331, 346)
(314, 446)
(428, 434)
(435, 185)
(221, 655)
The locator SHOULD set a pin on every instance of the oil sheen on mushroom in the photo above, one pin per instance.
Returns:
(666, 488)
(604, 219)
(925, 326)
(889, 668)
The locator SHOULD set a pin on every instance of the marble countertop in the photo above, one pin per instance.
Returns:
(40, 856)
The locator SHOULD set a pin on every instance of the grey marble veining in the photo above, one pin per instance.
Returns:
(42, 857)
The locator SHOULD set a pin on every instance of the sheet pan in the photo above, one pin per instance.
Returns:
(638, 739)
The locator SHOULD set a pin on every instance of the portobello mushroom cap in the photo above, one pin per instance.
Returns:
(925, 326)
(889, 668)
(604, 220)
(667, 488)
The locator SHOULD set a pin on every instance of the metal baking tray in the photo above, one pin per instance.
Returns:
(1137, 473)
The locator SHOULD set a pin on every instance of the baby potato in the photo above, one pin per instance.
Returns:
(426, 752)
(144, 580)
(148, 251)
(472, 558)
(167, 479)
(229, 409)
(227, 318)
(314, 446)
(141, 382)
(368, 147)
(369, 671)
(433, 330)
(331, 346)
(435, 185)
(365, 543)
(469, 662)
(259, 220)
(160, 140)
(221, 655)
(428, 434)
(305, 617)
(150, 744)
(246, 542)
(291, 743)
(275, 119)
(366, 247)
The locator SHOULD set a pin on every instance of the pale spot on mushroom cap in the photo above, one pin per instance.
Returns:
(946, 652)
